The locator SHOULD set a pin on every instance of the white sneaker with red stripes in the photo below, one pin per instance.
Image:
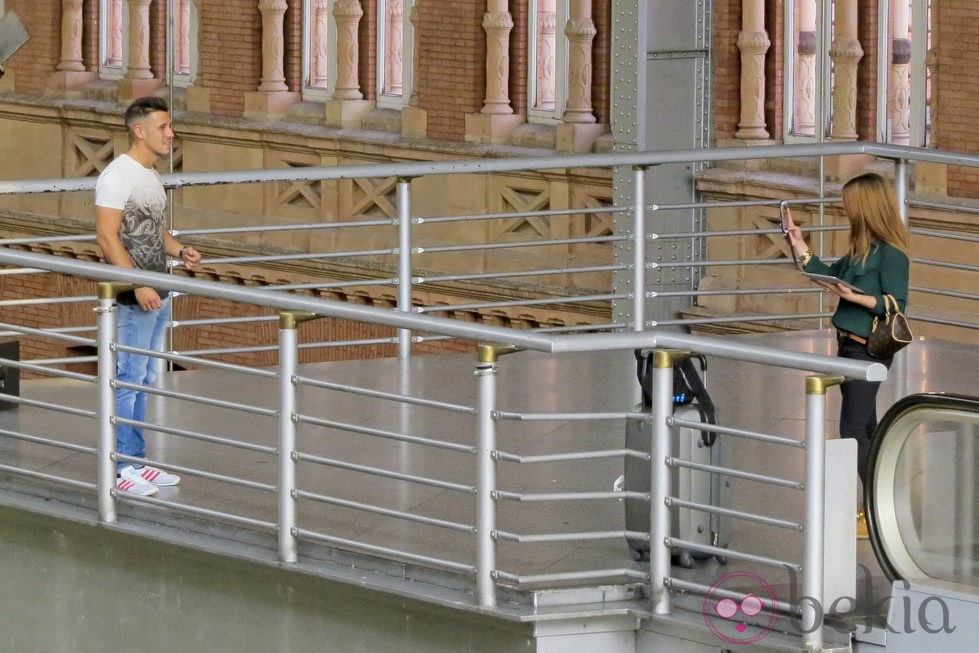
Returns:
(139, 488)
(147, 474)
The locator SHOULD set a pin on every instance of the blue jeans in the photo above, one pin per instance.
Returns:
(144, 329)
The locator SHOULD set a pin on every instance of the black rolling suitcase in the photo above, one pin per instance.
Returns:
(691, 402)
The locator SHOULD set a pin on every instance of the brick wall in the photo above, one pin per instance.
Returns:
(230, 53)
(727, 69)
(39, 57)
(452, 72)
(958, 79)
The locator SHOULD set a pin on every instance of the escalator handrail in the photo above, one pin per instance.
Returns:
(901, 408)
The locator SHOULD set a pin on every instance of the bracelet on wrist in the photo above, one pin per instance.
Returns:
(804, 259)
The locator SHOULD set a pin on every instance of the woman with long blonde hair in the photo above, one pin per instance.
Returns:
(877, 263)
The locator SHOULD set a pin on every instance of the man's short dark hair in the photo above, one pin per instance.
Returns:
(142, 107)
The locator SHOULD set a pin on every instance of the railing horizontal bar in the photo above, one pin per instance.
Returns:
(384, 551)
(245, 229)
(521, 273)
(437, 249)
(524, 497)
(547, 417)
(698, 588)
(381, 433)
(943, 293)
(334, 284)
(15, 271)
(559, 537)
(935, 320)
(219, 515)
(25, 401)
(207, 401)
(42, 301)
(298, 257)
(303, 345)
(60, 480)
(576, 455)
(378, 394)
(376, 471)
(226, 320)
(203, 437)
(596, 574)
(736, 473)
(740, 433)
(943, 205)
(377, 510)
(6, 242)
(421, 169)
(738, 203)
(946, 264)
(230, 367)
(50, 371)
(48, 333)
(73, 360)
(583, 327)
(747, 291)
(949, 235)
(36, 439)
(738, 318)
(523, 214)
(199, 473)
(747, 516)
(673, 235)
(731, 553)
(525, 302)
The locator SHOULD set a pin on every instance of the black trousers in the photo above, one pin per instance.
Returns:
(858, 411)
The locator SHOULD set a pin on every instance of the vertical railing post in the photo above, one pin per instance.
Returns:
(106, 318)
(289, 322)
(486, 370)
(639, 248)
(812, 566)
(661, 449)
(901, 188)
(404, 261)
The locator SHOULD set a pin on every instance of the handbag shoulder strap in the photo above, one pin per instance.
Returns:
(890, 305)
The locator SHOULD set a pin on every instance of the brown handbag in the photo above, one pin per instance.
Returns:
(889, 334)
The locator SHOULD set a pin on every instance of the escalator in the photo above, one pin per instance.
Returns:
(923, 516)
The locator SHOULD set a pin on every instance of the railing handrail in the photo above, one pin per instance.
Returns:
(522, 338)
(469, 166)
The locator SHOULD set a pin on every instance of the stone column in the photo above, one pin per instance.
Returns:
(496, 120)
(898, 79)
(320, 63)
(579, 129)
(347, 106)
(273, 53)
(753, 43)
(273, 96)
(414, 119)
(71, 74)
(138, 80)
(804, 100)
(845, 54)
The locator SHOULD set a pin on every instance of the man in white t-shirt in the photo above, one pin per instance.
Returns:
(130, 223)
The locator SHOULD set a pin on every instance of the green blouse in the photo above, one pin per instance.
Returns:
(885, 272)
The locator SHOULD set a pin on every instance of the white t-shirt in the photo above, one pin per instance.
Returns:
(137, 191)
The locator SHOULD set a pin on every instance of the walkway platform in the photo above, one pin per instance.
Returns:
(747, 396)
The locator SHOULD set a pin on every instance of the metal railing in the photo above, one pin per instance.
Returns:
(283, 418)
(405, 239)
(279, 420)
